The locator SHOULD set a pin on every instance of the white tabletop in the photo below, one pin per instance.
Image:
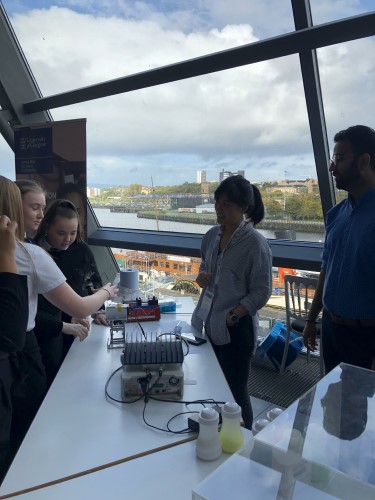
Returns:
(169, 475)
(77, 428)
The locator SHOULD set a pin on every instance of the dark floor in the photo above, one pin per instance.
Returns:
(266, 384)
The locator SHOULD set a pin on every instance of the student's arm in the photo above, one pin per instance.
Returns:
(66, 299)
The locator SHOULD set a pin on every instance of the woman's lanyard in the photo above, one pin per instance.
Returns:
(220, 256)
(215, 265)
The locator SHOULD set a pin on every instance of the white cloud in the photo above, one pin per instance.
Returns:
(252, 117)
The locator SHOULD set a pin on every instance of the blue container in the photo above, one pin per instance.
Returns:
(273, 345)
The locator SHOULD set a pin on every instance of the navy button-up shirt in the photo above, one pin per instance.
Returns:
(349, 258)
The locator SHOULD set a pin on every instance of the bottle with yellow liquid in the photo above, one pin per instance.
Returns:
(231, 435)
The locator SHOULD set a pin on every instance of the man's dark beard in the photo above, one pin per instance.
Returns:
(349, 178)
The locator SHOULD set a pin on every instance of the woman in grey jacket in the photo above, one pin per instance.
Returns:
(236, 277)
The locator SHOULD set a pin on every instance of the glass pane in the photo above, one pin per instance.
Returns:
(348, 99)
(244, 120)
(160, 274)
(323, 12)
(123, 38)
(251, 119)
(7, 160)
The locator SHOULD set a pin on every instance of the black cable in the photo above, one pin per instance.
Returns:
(112, 398)
(140, 326)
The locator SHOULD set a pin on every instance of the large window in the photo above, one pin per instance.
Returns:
(157, 148)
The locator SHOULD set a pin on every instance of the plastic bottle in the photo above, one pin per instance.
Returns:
(231, 435)
(208, 442)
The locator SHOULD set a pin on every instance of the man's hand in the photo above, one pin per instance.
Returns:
(309, 336)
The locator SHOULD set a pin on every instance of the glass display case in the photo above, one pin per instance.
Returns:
(322, 446)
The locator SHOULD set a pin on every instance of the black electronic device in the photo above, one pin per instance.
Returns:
(193, 339)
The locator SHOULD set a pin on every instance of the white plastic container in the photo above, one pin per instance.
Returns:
(231, 435)
(208, 442)
(274, 413)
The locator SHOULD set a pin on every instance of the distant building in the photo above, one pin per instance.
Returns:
(92, 192)
(206, 208)
(224, 174)
(188, 201)
(296, 186)
(201, 176)
(146, 190)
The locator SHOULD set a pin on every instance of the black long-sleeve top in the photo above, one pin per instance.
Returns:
(14, 311)
(79, 267)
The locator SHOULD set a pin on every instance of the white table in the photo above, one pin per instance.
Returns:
(169, 475)
(77, 428)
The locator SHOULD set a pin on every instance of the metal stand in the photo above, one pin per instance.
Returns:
(117, 335)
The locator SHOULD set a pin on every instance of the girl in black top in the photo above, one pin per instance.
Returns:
(60, 234)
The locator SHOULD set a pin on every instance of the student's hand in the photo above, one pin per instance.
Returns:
(100, 319)
(309, 336)
(81, 321)
(111, 289)
(77, 330)
(203, 279)
(7, 245)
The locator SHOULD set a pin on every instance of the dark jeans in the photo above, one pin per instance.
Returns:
(347, 344)
(234, 359)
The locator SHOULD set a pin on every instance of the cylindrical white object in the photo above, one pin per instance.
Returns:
(231, 434)
(129, 278)
(208, 442)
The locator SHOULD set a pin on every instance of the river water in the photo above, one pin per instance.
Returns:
(131, 221)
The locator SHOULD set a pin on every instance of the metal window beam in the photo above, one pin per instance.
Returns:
(294, 254)
(315, 108)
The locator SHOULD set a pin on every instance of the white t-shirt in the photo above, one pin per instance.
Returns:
(43, 275)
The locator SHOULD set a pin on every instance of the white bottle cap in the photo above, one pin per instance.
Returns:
(208, 415)
(231, 410)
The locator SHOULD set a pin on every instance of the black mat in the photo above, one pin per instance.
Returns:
(282, 390)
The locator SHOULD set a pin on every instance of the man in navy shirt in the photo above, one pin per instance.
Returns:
(346, 283)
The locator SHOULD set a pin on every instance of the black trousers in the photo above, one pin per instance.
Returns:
(6, 385)
(28, 390)
(347, 344)
(234, 359)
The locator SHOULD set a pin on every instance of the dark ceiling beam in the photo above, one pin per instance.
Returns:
(291, 43)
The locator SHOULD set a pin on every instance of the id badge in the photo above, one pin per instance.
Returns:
(206, 304)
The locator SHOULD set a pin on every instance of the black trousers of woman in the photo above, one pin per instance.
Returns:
(234, 359)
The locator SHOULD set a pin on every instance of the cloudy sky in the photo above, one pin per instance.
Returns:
(252, 118)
